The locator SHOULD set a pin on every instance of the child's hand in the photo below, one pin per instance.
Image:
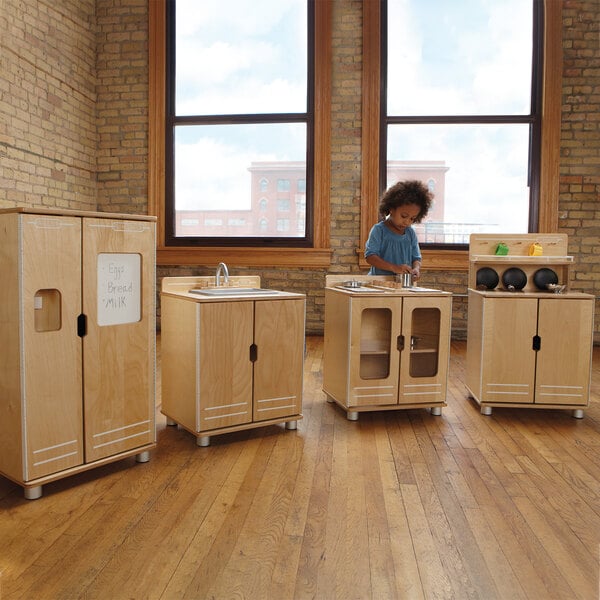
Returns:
(401, 269)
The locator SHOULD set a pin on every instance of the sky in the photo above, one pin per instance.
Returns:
(465, 57)
(445, 57)
(250, 58)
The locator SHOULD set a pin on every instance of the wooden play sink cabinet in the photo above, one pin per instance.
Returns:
(385, 347)
(230, 363)
(530, 348)
(77, 342)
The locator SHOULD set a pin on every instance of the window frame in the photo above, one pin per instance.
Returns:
(371, 184)
(319, 253)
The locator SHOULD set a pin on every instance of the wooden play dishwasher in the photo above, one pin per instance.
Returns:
(232, 356)
(386, 347)
(530, 346)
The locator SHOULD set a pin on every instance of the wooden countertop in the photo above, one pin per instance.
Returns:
(181, 287)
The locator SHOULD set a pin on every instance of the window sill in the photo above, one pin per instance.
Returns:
(317, 258)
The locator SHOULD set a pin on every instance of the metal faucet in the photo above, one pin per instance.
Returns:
(221, 267)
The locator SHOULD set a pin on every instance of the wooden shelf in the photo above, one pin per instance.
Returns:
(374, 347)
(492, 258)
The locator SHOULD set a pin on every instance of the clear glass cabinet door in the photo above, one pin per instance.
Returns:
(424, 342)
(375, 336)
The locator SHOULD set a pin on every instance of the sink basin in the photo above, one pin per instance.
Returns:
(234, 291)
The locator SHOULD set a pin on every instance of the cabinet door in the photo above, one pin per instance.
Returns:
(563, 360)
(336, 345)
(424, 357)
(51, 371)
(224, 388)
(119, 348)
(179, 364)
(279, 339)
(375, 326)
(508, 358)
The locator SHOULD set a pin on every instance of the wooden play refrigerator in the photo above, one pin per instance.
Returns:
(530, 347)
(77, 336)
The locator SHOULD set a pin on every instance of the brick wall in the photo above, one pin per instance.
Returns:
(47, 104)
(579, 200)
(122, 106)
(346, 138)
(73, 129)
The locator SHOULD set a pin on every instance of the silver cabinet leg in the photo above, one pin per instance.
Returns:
(329, 399)
(436, 411)
(352, 415)
(33, 493)
(203, 441)
(142, 457)
(577, 413)
(291, 425)
(486, 410)
(171, 423)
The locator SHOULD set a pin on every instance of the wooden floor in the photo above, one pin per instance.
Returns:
(397, 505)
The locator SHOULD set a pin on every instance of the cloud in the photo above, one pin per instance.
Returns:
(250, 58)
(255, 18)
(209, 176)
(465, 59)
(212, 162)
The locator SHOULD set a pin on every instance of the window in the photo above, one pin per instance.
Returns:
(239, 111)
(283, 225)
(283, 204)
(315, 252)
(462, 108)
(448, 257)
(283, 185)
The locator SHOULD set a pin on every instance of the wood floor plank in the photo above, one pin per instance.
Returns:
(169, 526)
(205, 558)
(456, 546)
(505, 582)
(313, 538)
(406, 570)
(375, 452)
(353, 576)
(333, 565)
(315, 411)
(255, 554)
(434, 578)
(582, 582)
(529, 559)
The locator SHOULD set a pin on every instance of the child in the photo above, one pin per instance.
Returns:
(392, 246)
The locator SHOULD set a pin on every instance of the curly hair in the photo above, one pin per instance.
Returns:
(411, 191)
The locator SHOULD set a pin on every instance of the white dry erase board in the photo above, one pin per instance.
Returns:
(119, 288)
